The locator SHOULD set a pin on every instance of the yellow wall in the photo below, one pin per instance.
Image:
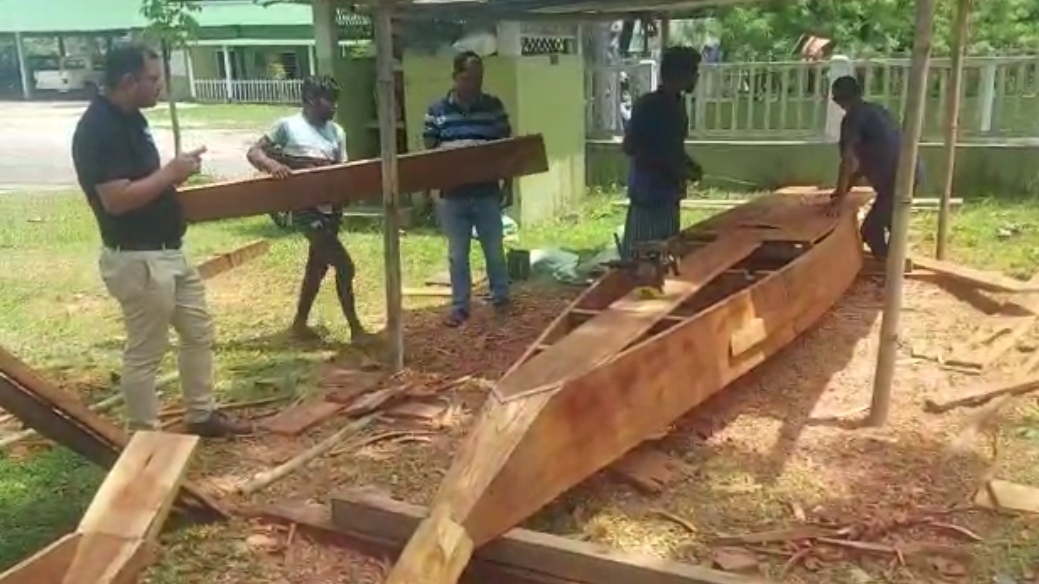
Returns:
(542, 95)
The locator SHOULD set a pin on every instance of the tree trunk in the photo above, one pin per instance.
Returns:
(170, 99)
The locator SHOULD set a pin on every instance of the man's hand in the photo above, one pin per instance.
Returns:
(185, 165)
(833, 207)
(278, 170)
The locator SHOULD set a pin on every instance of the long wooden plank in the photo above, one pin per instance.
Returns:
(59, 409)
(228, 261)
(47, 566)
(374, 515)
(136, 496)
(625, 320)
(980, 279)
(130, 508)
(354, 181)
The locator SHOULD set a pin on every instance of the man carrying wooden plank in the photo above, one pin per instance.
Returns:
(310, 139)
(869, 146)
(655, 141)
(142, 227)
(463, 117)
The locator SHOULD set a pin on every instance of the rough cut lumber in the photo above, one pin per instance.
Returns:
(60, 417)
(982, 280)
(301, 417)
(369, 515)
(129, 510)
(137, 494)
(724, 204)
(1007, 496)
(115, 539)
(978, 397)
(228, 261)
(355, 181)
(51, 564)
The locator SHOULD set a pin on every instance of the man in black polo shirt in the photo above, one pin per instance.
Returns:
(133, 198)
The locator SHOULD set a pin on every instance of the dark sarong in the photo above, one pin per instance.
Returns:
(649, 223)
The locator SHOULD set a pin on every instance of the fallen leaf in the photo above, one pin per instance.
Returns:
(734, 560)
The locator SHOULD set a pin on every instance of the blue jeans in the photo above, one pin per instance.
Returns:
(458, 217)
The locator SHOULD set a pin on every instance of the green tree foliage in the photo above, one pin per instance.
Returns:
(172, 24)
(870, 27)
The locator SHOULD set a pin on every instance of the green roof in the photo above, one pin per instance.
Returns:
(70, 16)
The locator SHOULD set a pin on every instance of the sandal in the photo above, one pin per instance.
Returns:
(455, 318)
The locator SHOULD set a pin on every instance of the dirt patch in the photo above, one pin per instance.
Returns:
(779, 448)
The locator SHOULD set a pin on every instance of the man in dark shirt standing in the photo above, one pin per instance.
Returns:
(655, 142)
(133, 198)
(468, 116)
(869, 145)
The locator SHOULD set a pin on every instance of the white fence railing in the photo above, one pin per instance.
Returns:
(790, 100)
(769, 101)
(285, 91)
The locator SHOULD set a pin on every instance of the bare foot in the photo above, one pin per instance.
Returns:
(302, 332)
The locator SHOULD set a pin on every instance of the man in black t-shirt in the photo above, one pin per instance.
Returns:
(142, 226)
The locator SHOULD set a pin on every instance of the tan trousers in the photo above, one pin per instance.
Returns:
(156, 290)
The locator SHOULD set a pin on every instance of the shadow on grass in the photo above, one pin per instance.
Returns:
(41, 499)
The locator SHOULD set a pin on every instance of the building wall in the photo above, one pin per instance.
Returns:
(981, 169)
(520, 82)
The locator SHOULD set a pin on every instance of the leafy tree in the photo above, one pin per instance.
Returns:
(172, 24)
(870, 27)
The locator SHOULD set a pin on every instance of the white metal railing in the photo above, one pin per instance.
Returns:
(789, 100)
(246, 90)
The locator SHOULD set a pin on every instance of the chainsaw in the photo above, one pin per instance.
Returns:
(651, 262)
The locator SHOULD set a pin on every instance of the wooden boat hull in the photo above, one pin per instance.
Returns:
(535, 440)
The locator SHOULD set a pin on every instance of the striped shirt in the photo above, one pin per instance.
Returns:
(449, 124)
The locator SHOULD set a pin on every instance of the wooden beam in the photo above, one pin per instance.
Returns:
(136, 496)
(980, 279)
(128, 511)
(228, 261)
(539, 557)
(59, 416)
(723, 204)
(355, 181)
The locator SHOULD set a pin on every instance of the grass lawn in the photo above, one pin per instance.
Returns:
(55, 313)
(221, 116)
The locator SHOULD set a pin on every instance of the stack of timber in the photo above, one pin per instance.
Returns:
(116, 539)
(369, 520)
(615, 369)
(59, 416)
(356, 181)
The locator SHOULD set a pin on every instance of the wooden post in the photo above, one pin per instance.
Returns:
(952, 124)
(23, 68)
(911, 127)
(387, 107)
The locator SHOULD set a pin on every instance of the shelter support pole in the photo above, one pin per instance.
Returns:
(228, 77)
(326, 36)
(24, 75)
(952, 124)
(387, 108)
(911, 127)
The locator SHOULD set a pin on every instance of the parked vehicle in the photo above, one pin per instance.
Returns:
(68, 75)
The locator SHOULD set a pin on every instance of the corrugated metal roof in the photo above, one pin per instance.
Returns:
(53, 16)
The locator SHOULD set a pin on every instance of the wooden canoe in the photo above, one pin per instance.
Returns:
(614, 368)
